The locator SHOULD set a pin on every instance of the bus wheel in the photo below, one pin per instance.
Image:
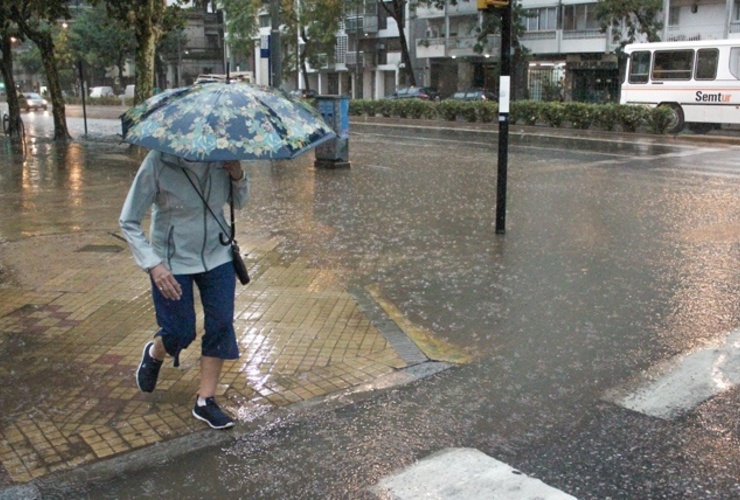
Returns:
(676, 123)
(701, 128)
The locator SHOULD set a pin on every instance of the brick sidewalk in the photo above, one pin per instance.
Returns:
(76, 315)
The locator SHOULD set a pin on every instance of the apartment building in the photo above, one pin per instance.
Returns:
(568, 49)
(570, 55)
(701, 19)
(366, 63)
(445, 43)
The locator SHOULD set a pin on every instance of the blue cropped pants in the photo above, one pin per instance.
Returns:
(176, 318)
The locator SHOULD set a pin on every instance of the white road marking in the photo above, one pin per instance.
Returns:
(682, 383)
(464, 474)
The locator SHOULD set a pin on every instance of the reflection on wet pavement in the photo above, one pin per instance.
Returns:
(616, 257)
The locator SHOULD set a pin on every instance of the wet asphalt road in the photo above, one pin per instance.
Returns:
(617, 256)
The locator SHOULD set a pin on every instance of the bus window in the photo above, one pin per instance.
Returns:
(673, 64)
(706, 64)
(735, 62)
(639, 67)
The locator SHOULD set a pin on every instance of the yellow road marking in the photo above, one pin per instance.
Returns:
(434, 348)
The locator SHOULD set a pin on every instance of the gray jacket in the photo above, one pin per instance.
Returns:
(183, 234)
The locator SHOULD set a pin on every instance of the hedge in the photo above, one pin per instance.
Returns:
(626, 118)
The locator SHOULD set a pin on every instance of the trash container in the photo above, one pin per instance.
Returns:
(335, 152)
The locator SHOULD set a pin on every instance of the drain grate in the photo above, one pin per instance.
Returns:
(100, 248)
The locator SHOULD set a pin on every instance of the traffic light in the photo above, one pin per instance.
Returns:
(492, 4)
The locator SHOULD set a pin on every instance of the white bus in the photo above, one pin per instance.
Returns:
(699, 81)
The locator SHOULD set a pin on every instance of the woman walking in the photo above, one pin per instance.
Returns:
(184, 249)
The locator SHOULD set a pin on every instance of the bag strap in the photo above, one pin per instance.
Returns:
(224, 241)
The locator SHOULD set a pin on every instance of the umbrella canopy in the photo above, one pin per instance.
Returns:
(220, 121)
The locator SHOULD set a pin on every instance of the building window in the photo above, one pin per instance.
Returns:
(674, 15)
(544, 19)
(581, 17)
(341, 48)
(213, 41)
(265, 21)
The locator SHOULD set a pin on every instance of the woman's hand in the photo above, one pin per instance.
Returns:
(166, 282)
(234, 168)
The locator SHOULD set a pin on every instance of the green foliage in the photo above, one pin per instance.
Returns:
(448, 109)
(659, 118)
(419, 109)
(385, 108)
(318, 21)
(358, 107)
(579, 114)
(240, 17)
(632, 117)
(100, 41)
(30, 59)
(629, 20)
(111, 100)
(525, 112)
(469, 111)
(606, 116)
(553, 113)
(487, 111)
(150, 21)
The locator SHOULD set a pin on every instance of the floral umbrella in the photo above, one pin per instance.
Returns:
(220, 121)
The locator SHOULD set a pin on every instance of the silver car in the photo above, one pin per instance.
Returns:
(33, 101)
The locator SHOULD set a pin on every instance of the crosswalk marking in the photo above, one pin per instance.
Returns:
(679, 385)
(464, 474)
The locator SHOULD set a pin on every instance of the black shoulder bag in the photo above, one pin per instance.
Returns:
(240, 268)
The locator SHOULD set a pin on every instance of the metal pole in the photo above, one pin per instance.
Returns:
(298, 46)
(503, 119)
(276, 66)
(356, 92)
(82, 92)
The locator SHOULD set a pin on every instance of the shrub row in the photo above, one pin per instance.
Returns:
(100, 101)
(554, 114)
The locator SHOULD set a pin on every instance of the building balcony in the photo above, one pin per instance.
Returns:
(582, 34)
(461, 9)
(327, 63)
(361, 24)
(364, 60)
(566, 42)
(538, 35)
(681, 33)
(457, 46)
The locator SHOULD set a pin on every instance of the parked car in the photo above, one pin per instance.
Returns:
(32, 101)
(101, 92)
(303, 93)
(424, 93)
(475, 94)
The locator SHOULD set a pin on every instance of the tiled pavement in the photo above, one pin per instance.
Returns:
(74, 318)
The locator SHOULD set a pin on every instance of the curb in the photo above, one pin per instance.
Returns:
(527, 131)
(72, 481)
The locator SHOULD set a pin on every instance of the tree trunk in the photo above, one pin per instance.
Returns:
(406, 58)
(147, 41)
(396, 11)
(6, 67)
(46, 47)
(302, 57)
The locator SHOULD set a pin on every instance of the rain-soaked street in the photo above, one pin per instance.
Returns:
(620, 254)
